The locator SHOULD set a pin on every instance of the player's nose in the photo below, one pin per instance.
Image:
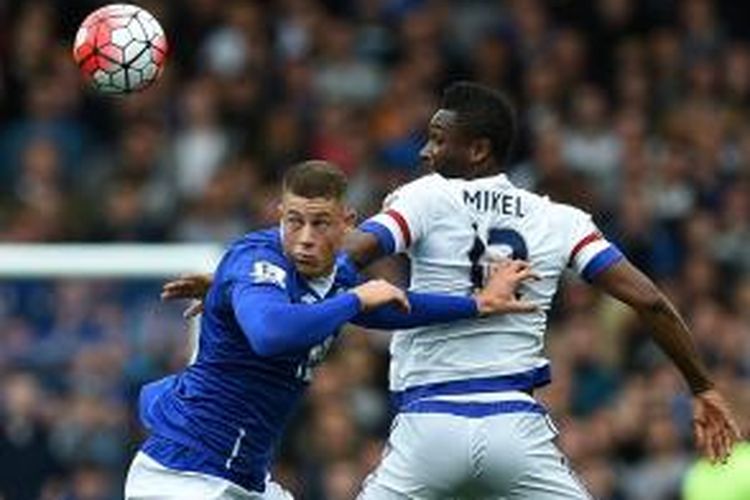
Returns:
(424, 156)
(306, 235)
(424, 152)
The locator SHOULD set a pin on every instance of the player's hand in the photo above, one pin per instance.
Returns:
(188, 286)
(375, 293)
(499, 294)
(714, 427)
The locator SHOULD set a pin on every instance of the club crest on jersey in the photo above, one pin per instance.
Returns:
(265, 272)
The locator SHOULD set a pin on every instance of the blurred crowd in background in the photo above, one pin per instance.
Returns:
(634, 110)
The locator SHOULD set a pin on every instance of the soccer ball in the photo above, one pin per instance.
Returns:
(120, 49)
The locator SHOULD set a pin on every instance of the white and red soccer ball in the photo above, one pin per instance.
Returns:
(120, 48)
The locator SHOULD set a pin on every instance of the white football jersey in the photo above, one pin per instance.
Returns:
(450, 228)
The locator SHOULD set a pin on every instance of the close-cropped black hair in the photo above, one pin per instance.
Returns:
(482, 112)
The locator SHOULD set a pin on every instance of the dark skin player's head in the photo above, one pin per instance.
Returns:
(470, 135)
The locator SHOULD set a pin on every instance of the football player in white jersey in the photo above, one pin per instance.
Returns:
(468, 425)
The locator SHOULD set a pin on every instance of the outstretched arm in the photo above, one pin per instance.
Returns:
(497, 297)
(714, 426)
(274, 325)
(626, 283)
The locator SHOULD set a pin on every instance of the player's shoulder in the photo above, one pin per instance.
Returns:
(548, 208)
(424, 182)
(567, 213)
(258, 248)
(263, 242)
(428, 194)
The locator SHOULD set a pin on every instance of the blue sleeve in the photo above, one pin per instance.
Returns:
(426, 309)
(382, 234)
(258, 293)
(274, 326)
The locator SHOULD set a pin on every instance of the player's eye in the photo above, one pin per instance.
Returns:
(294, 222)
(322, 225)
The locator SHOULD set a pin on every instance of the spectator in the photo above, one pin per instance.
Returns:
(26, 460)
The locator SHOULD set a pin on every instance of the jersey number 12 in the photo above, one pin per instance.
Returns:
(496, 237)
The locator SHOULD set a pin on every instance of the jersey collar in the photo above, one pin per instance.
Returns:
(322, 285)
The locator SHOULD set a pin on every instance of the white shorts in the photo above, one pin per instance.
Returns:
(509, 456)
(149, 480)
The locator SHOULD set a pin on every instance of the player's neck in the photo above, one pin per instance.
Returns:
(322, 283)
(486, 169)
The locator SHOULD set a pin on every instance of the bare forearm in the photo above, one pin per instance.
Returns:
(362, 248)
(626, 283)
(671, 334)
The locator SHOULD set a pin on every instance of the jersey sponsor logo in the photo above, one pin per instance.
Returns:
(494, 201)
(265, 272)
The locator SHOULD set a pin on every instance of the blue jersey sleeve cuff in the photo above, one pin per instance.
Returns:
(383, 235)
(603, 261)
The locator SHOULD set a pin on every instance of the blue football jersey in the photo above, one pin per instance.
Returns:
(224, 414)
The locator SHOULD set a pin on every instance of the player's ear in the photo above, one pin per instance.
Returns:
(480, 150)
(350, 217)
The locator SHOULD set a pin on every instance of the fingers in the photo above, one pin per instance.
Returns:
(184, 287)
(401, 300)
(521, 306)
(716, 444)
(727, 436)
(736, 432)
(514, 270)
(174, 292)
(176, 287)
(507, 265)
(708, 439)
(712, 444)
(194, 310)
(729, 433)
(700, 437)
(528, 274)
(715, 436)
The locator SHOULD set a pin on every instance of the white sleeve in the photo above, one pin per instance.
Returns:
(589, 253)
(405, 214)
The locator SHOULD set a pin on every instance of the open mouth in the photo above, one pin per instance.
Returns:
(305, 260)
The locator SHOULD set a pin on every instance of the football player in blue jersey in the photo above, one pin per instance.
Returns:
(277, 300)
(437, 221)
